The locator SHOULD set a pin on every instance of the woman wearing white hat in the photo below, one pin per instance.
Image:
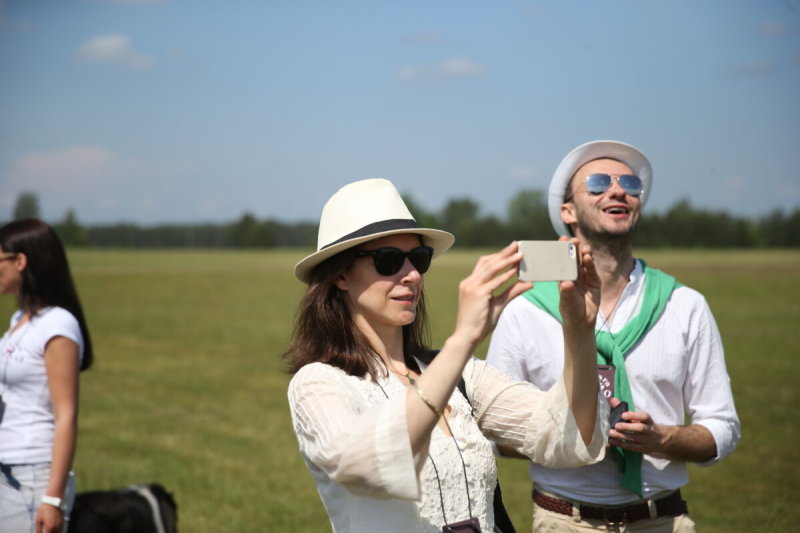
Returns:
(390, 445)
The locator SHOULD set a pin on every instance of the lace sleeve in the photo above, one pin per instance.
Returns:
(364, 447)
(537, 423)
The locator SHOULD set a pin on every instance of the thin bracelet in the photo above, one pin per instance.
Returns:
(422, 397)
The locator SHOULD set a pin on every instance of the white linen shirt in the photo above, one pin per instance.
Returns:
(355, 442)
(676, 370)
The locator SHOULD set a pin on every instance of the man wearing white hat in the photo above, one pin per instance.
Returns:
(659, 350)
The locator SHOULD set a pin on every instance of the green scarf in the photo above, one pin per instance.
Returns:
(611, 349)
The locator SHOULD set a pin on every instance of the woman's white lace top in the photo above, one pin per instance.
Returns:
(355, 442)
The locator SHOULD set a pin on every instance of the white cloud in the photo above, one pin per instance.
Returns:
(113, 49)
(454, 67)
(67, 178)
(98, 183)
(460, 67)
(75, 167)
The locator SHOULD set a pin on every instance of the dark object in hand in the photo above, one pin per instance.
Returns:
(616, 414)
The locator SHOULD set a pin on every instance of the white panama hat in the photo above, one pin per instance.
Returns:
(589, 152)
(362, 211)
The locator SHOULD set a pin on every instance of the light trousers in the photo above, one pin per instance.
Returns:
(21, 491)
(545, 521)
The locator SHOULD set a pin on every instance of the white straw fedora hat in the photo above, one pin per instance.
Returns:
(362, 211)
(582, 155)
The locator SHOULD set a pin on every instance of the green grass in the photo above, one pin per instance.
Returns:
(188, 388)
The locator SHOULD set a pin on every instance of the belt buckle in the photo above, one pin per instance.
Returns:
(615, 516)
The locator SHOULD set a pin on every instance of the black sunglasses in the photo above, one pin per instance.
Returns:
(600, 183)
(389, 260)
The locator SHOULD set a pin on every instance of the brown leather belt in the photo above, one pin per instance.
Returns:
(671, 505)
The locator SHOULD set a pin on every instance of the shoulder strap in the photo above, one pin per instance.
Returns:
(502, 522)
(462, 386)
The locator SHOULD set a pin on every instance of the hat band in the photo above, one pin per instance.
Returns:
(375, 228)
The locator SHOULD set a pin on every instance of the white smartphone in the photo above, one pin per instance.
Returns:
(548, 261)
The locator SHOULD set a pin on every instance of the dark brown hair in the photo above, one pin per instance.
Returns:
(324, 330)
(46, 280)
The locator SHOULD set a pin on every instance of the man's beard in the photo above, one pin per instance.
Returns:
(612, 243)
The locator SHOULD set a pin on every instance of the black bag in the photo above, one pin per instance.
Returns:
(502, 522)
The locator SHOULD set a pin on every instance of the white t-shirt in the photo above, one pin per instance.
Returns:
(27, 427)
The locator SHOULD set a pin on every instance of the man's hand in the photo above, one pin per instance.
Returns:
(639, 433)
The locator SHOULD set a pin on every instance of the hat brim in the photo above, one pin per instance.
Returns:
(439, 240)
(581, 155)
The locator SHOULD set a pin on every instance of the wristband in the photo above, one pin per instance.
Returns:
(422, 397)
(58, 503)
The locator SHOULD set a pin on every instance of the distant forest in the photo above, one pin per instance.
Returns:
(682, 225)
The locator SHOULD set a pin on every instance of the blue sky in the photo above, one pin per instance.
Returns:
(153, 111)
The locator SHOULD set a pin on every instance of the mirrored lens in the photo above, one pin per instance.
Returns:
(632, 184)
(597, 183)
(600, 183)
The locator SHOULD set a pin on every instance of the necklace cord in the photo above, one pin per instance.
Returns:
(452, 436)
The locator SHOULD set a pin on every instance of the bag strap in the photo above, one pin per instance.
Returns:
(502, 522)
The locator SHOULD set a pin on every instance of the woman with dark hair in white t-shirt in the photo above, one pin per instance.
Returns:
(41, 355)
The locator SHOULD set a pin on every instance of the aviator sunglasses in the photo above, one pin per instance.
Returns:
(389, 260)
(600, 183)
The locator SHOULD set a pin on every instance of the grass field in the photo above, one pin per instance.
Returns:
(188, 389)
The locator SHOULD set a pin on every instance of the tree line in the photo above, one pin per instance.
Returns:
(682, 225)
